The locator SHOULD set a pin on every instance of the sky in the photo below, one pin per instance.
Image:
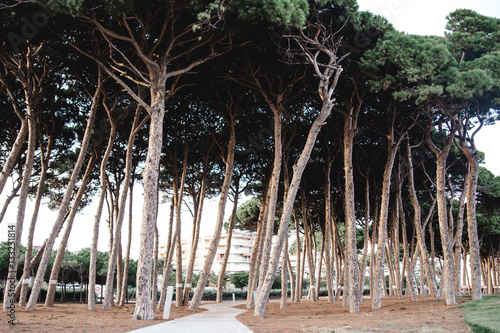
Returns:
(428, 17)
(422, 17)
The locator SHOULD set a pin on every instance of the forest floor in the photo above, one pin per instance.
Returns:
(74, 317)
(425, 315)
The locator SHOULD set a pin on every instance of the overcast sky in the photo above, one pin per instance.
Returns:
(415, 17)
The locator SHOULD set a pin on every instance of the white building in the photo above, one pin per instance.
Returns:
(239, 256)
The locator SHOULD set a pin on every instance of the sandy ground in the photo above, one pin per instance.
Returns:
(424, 315)
(71, 317)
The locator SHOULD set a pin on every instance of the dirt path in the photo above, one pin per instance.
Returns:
(425, 315)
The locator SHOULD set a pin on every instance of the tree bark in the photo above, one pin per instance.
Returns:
(14, 153)
(419, 230)
(23, 194)
(168, 251)
(222, 273)
(284, 281)
(97, 220)
(44, 162)
(124, 296)
(212, 251)
(56, 266)
(472, 220)
(447, 272)
(35, 291)
(298, 170)
(327, 233)
(143, 307)
(256, 253)
(382, 225)
(364, 258)
(272, 195)
(116, 245)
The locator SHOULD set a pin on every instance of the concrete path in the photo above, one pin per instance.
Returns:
(220, 318)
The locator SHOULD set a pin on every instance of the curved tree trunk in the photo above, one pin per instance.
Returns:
(63, 209)
(222, 273)
(8, 200)
(273, 196)
(326, 89)
(124, 296)
(255, 261)
(97, 221)
(56, 266)
(196, 237)
(200, 287)
(23, 194)
(419, 231)
(177, 237)
(44, 161)
(284, 281)
(14, 153)
(457, 240)
(378, 282)
(168, 256)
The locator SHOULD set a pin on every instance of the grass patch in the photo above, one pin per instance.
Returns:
(483, 315)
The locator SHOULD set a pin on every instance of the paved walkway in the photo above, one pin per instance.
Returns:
(220, 318)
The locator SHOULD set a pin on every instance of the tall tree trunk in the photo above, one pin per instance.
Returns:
(419, 230)
(351, 259)
(256, 253)
(382, 225)
(100, 204)
(35, 291)
(284, 281)
(320, 264)
(154, 294)
(143, 307)
(177, 242)
(116, 245)
(23, 194)
(196, 234)
(411, 285)
(447, 272)
(222, 273)
(212, 251)
(327, 232)
(471, 155)
(44, 161)
(364, 257)
(457, 239)
(308, 235)
(298, 292)
(168, 251)
(372, 252)
(56, 266)
(273, 196)
(298, 170)
(124, 296)
(178, 268)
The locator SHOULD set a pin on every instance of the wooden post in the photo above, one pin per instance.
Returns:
(168, 302)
